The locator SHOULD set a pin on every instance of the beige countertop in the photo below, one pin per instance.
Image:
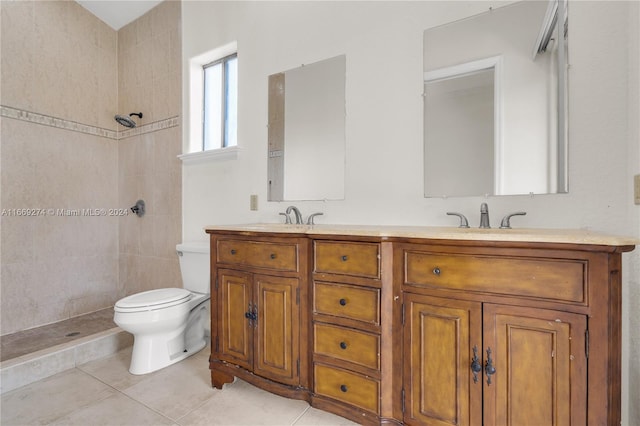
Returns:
(568, 236)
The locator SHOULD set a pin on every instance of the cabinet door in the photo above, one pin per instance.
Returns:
(277, 332)
(540, 367)
(439, 336)
(234, 328)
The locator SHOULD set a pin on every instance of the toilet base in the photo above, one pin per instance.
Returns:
(154, 352)
(139, 368)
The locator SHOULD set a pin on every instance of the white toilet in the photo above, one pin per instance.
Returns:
(168, 324)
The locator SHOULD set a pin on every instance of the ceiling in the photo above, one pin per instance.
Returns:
(118, 13)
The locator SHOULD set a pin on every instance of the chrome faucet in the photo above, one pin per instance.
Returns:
(295, 210)
(506, 224)
(484, 216)
(311, 216)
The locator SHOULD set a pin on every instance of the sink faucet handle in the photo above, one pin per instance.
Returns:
(287, 218)
(311, 217)
(505, 224)
(464, 223)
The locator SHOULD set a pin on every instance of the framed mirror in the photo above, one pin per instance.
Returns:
(307, 132)
(495, 103)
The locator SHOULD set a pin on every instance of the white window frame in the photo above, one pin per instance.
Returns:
(195, 102)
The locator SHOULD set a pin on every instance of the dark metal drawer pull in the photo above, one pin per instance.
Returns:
(343, 302)
(343, 345)
(436, 271)
(233, 251)
(343, 388)
(345, 258)
(273, 256)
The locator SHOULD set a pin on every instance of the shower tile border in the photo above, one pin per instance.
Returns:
(151, 127)
(60, 123)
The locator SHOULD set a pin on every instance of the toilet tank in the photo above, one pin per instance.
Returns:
(194, 265)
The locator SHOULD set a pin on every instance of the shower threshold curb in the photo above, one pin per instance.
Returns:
(29, 368)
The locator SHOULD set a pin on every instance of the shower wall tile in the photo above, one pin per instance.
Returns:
(54, 57)
(59, 94)
(149, 68)
(149, 57)
(17, 44)
(167, 150)
(167, 95)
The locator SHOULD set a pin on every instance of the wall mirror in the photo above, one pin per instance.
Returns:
(495, 120)
(307, 132)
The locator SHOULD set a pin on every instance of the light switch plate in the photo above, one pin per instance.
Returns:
(636, 189)
(253, 202)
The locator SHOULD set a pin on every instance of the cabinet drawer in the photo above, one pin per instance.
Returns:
(553, 279)
(258, 254)
(358, 303)
(346, 386)
(347, 344)
(358, 259)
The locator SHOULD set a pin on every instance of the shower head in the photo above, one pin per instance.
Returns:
(128, 121)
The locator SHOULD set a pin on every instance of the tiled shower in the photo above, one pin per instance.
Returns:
(69, 170)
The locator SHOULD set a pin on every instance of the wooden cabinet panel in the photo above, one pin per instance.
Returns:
(233, 302)
(347, 386)
(552, 279)
(540, 362)
(538, 356)
(358, 303)
(348, 258)
(259, 254)
(259, 324)
(439, 335)
(347, 344)
(277, 328)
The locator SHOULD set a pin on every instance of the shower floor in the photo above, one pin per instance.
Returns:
(28, 341)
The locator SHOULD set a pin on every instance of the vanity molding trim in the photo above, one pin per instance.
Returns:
(367, 310)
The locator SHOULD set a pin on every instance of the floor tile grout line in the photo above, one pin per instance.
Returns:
(213, 395)
(297, 419)
(121, 392)
(78, 408)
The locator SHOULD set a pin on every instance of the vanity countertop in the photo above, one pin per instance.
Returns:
(563, 236)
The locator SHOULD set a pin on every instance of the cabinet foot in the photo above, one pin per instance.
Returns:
(219, 378)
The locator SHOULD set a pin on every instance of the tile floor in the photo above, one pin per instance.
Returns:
(102, 392)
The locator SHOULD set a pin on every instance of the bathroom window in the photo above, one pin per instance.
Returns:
(211, 111)
(220, 106)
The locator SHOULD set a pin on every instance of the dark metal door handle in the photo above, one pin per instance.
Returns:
(489, 369)
(476, 366)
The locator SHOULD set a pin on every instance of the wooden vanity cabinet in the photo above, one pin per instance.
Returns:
(352, 337)
(422, 331)
(509, 335)
(259, 325)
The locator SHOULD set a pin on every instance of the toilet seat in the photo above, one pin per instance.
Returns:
(153, 300)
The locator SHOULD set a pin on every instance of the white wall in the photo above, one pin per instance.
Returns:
(383, 44)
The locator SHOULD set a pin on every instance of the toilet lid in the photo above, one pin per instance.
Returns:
(153, 299)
